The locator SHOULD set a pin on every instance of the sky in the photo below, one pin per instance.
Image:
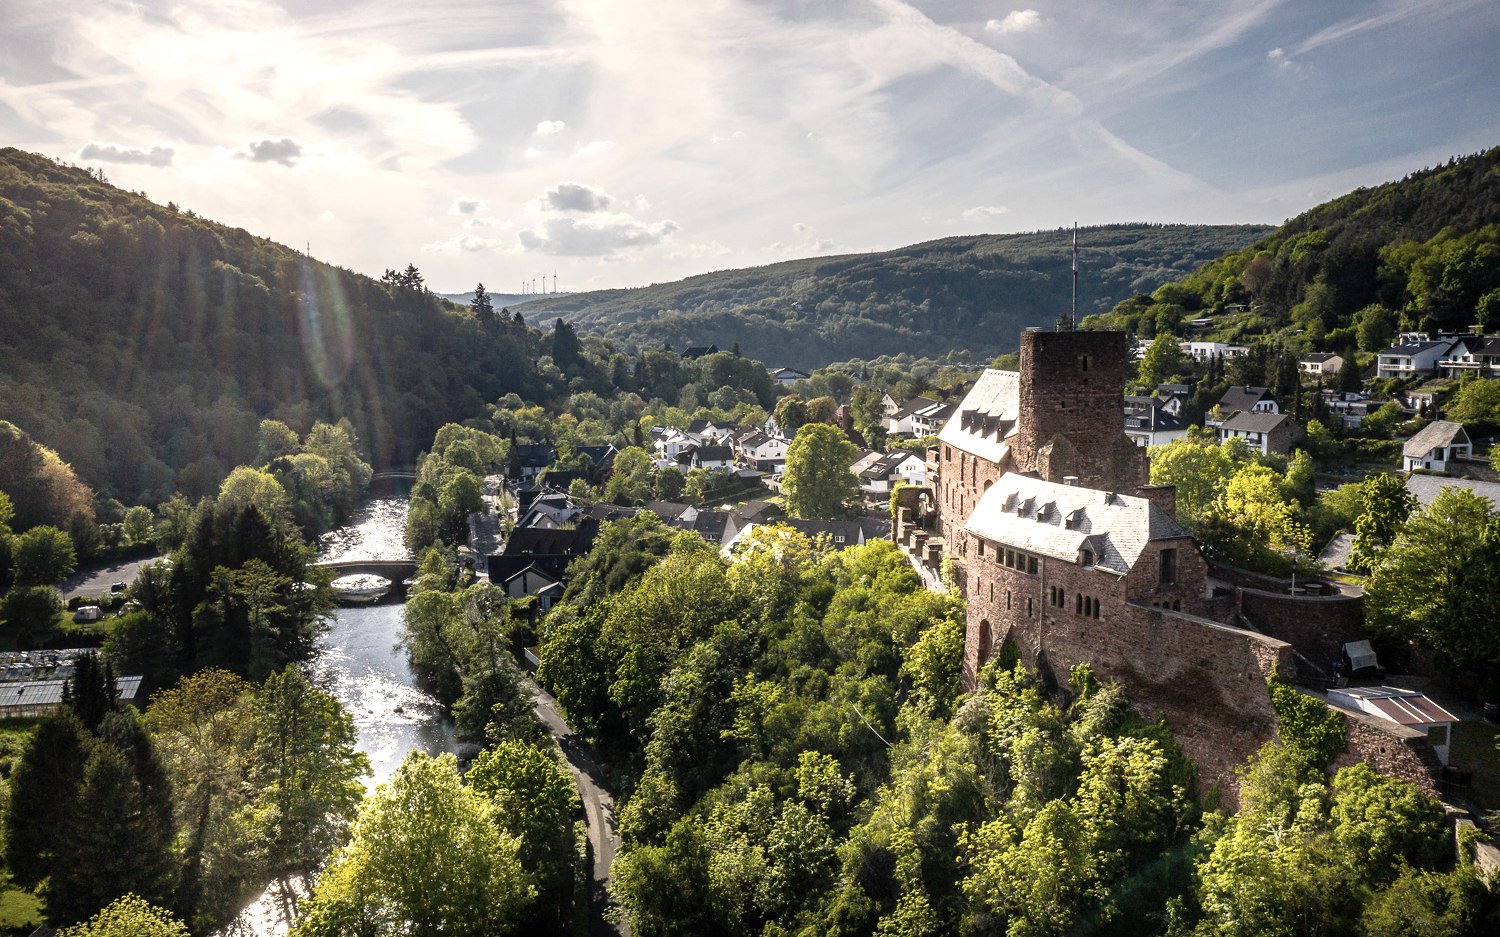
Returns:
(625, 142)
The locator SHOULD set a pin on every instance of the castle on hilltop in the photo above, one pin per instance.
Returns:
(1065, 553)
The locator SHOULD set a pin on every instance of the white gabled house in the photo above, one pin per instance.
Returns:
(1438, 443)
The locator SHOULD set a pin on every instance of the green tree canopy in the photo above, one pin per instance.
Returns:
(817, 481)
(1434, 583)
(427, 857)
(42, 556)
(129, 916)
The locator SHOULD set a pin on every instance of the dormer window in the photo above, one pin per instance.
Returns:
(1075, 520)
(1085, 557)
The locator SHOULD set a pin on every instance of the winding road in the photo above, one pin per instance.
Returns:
(598, 807)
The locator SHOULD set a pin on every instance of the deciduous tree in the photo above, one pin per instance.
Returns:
(817, 481)
(42, 556)
(428, 856)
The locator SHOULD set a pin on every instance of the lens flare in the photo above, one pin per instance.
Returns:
(325, 325)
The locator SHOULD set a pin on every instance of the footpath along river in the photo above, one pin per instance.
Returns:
(360, 661)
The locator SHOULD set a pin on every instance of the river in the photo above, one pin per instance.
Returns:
(359, 661)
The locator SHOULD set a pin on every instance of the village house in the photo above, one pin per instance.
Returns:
(534, 459)
(699, 351)
(1174, 397)
(1266, 433)
(705, 457)
(879, 475)
(1412, 358)
(1321, 364)
(1202, 352)
(1245, 399)
(788, 377)
(1438, 443)
(1148, 423)
(915, 417)
(1471, 354)
(756, 450)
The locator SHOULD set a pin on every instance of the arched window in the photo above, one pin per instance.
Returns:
(986, 642)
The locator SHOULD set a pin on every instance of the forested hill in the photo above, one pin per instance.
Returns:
(144, 344)
(1421, 253)
(974, 293)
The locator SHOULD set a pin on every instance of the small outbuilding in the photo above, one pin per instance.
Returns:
(1409, 708)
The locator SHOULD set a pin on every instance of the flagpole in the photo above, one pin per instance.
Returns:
(1073, 319)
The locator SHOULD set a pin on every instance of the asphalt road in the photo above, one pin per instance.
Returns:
(97, 581)
(598, 806)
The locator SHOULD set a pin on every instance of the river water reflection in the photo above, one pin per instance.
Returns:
(360, 662)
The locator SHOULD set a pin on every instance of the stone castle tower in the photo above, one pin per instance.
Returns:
(1072, 414)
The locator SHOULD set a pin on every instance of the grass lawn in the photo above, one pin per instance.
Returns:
(1473, 749)
(20, 911)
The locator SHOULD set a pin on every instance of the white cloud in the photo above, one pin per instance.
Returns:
(595, 148)
(550, 128)
(114, 153)
(574, 237)
(465, 206)
(575, 196)
(328, 216)
(982, 212)
(463, 243)
(1016, 21)
(285, 151)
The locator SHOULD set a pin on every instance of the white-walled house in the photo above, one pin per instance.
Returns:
(1439, 443)
(880, 475)
(1410, 359)
(1321, 364)
(787, 377)
(1203, 351)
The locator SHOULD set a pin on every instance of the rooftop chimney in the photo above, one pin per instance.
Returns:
(1070, 480)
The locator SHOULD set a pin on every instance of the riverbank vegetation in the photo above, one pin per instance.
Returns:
(220, 787)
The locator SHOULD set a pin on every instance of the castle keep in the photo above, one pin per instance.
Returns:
(1063, 550)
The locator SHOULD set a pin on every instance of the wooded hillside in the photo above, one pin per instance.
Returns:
(1421, 253)
(974, 293)
(145, 344)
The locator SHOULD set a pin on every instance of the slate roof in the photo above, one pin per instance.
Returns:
(1145, 414)
(1426, 488)
(914, 405)
(710, 525)
(698, 351)
(1060, 520)
(715, 454)
(1243, 398)
(783, 374)
(536, 541)
(887, 464)
(1247, 421)
(1413, 348)
(535, 456)
(987, 416)
(604, 511)
(1434, 434)
(599, 455)
(532, 567)
(667, 510)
